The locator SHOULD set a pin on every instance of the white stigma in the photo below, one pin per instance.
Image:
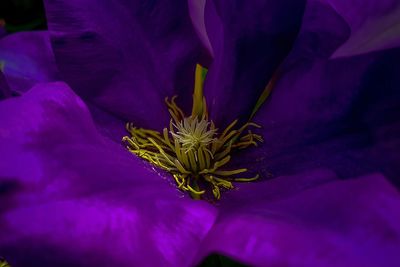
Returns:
(193, 133)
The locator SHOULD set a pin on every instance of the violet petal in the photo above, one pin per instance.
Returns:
(249, 41)
(5, 91)
(375, 25)
(126, 56)
(71, 197)
(339, 223)
(338, 114)
(26, 59)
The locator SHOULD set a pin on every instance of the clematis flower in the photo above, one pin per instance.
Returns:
(321, 75)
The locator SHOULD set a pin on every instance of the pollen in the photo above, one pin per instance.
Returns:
(192, 149)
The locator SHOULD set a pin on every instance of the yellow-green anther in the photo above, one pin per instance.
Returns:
(4, 263)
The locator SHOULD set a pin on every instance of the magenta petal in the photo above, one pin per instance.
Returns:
(375, 25)
(341, 223)
(27, 59)
(126, 56)
(71, 197)
(249, 40)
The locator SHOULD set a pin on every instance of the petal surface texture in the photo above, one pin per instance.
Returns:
(26, 58)
(341, 114)
(71, 197)
(293, 221)
(249, 40)
(126, 56)
(375, 25)
(321, 115)
(5, 90)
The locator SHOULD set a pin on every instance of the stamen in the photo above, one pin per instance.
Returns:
(191, 149)
(4, 263)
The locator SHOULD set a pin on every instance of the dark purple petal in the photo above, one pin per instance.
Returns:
(196, 10)
(5, 91)
(340, 114)
(321, 33)
(107, 124)
(337, 114)
(339, 223)
(126, 56)
(27, 59)
(249, 40)
(375, 25)
(326, 119)
(71, 197)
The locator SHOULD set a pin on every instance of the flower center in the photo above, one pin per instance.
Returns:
(192, 150)
(194, 134)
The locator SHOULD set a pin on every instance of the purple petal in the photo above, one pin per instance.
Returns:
(340, 223)
(320, 112)
(249, 40)
(338, 114)
(321, 33)
(196, 10)
(108, 125)
(104, 230)
(126, 56)
(27, 59)
(71, 197)
(5, 91)
(375, 25)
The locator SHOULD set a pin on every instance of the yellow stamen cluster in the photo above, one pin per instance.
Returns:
(4, 263)
(192, 150)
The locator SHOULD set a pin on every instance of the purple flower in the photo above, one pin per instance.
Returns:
(71, 195)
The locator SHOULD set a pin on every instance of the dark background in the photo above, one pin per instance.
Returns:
(22, 15)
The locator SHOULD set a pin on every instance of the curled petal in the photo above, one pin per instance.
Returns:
(249, 40)
(375, 25)
(26, 58)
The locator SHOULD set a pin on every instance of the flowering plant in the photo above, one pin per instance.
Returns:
(319, 76)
